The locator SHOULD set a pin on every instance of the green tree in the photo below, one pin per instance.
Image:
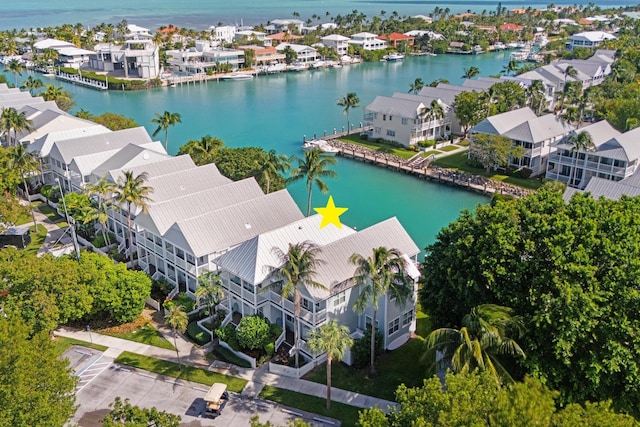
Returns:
(569, 71)
(566, 268)
(478, 343)
(416, 86)
(536, 96)
(382, 273)
(37, 387)
(209, 291)
(579, 142)
(253, 333)
(470, 108)
(511, 67)
(177, 319)
(506, 96)
(203, 151)
(470, 72)
(114, 121)
(164, 122)
(127, 415)
(274, 165)
(298, 268)
(32, 84)
(493, 150)
(312, 168)
(131, 192)
(349, 101)
(61, 97)
(13, 120)
(26, 164)
(333, 339)
(16, 67)
(290, 55)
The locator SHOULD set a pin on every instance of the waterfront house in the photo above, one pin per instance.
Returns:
(250, 36)
(264, 55)
(250, 287)
(303, 52)
(535, 134)
(279, 38)
(203, 57)
(225, 33)
(48, 124)
(588, 39)
(368, 41)
(615, 157)
(68, 54)
(137, 57)
(337, 42)
(613, 190)
(430, 34)
(396, 39)
(282, 25)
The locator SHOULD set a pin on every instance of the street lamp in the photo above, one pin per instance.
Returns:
(70, 221)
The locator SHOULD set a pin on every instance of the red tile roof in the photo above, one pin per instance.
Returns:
(395, 37)
(511, 27)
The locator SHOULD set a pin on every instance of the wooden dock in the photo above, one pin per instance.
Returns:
(77, 79)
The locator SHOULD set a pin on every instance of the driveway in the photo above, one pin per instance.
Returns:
(101, 381)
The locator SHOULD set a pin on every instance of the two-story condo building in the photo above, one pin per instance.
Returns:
(588, 39)
(368, 41)
(337, 42)
(615, 156)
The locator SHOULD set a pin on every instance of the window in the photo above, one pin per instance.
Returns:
(384, 117)
(407, 318)
(405, 121)
(339, 299)
(391, 132)
(390, 118)
(394, 325)
(169, 247)
(368, 323)
(236, 280)
(307, 304)
(191, 259)
(180, 253)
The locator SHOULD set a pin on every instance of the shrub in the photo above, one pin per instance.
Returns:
(270, 349)
(361, 350)
(160, 289)
(426, 144)
(51, 193)
(364, 137)
(525, 173)
(253, 333)
(226, 355)
(275, 330)
(196, 333)
(228, 335)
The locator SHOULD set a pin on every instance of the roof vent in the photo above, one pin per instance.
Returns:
(145, 156)
(299, 227)
(182, 188)
(247, 225)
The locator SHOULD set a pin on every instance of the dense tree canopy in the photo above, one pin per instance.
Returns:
(127, 415)
(36, 386)
(474, 399)
(241, 163)
(571, 270)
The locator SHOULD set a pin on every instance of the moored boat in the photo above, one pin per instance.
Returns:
(237, 76)
(322, 145)
(393, 56)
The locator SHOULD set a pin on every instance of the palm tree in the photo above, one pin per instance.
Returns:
(202, 150)
(470, 72)
(297, 269)
(61, 97)
(511, 67)
(482, 337)
(165, 121)
(535, 94)
(436, 112)
(273, 165)
(416, 86)
(25, 163)
(381, 273)
(333, 339)
(350, 101)
(579, 142)
(16, 67)
(568, 72)
(132, 191)
(100, 213)
(313, 167)
(32, 84)
(12, 120)
(178, 320)
(209, 290)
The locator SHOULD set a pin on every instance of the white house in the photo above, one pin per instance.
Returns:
(615, 157)
(138, 57)
(252, 37)
(68, 54)
(204, 56)
(588, 39)
(337, 42)
(535, 134)
(225, 33)
(368, 41)
(303, 52)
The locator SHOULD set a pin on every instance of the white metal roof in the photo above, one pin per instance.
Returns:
(408, 108)
(51, 44)
(501, 123)
(132, 155)
(107, 141)
(539, 129)
(43, 144)
(163, 167)
(182, 183)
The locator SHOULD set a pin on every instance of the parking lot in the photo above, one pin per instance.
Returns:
(101, 381)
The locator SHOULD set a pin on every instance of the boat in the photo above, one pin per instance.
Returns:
(297, 66)
(431, 54)
(477, 49)
(512, 45)
(320, 144)
(276, 68)
(237, 76)
(318, 64)
(499, 46)
(393, 56)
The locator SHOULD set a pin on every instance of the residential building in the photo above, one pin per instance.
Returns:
(281, 25)
(203, 56)
(138, 57)
(337, 42)
(250, 36)
(279, 38)
(613, 190)
(368, 41)
(616, 157)
(68, 54)
(535, 134)
(588, 39)
(48, 124)
(250, 288)
(225, 33)
(264, 55)
(303, 52)
(430, 34)
(396, 40)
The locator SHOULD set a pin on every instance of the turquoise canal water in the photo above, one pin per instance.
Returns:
(276, 111)
(201, 14)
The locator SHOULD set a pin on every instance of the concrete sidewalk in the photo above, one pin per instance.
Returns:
(257, 378)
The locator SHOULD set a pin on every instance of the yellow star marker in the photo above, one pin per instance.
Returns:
(330, 214)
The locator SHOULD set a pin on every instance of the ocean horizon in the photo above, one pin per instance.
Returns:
(201, 14)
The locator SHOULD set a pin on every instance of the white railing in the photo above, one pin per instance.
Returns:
(201, 325)
(291, 372)
(175, 291)
(280, 339)
(239, 354)
(152, 303)
(227, 319)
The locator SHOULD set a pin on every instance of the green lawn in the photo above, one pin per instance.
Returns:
(346, 413)
(62, 344)
(147, 334)
(448, 148)
(37, 239)
(430, 152)
(459, 161)
(383, 147)
(49, 212)
(187, 373)
(401, 366)
(24, 218)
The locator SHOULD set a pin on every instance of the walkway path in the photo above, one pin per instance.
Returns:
(257, 378)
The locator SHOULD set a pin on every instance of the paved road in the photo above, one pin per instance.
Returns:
(101, 381)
